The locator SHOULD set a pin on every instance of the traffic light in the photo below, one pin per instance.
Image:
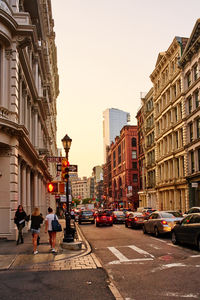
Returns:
(65, 170)
(52, 187)
(61, 188)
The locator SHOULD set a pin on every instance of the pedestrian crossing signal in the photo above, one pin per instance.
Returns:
(52, 187)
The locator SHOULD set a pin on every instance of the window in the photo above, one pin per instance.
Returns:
(114, 160)
(134, 144)
(176, 135)
(119, 154)
(195, 70)
(190, 105)
(134, 165)
(188, 79)
(198, 128)
(191, 132)
(176, 114)
(192, 161)
(134, 154)
(196, 98)
(177, 164)
(135, 178)
(199, 158)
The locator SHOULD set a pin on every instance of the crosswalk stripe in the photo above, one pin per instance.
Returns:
(118, 254)
(140, 251)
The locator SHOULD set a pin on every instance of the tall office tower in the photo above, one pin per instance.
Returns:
(114, 120)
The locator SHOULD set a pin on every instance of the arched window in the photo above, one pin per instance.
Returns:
(134, 143)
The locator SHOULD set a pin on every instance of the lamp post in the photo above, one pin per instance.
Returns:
(67, 232)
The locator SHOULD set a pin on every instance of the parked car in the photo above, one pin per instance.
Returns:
(141, 208)
(160, 222)
(192, 210)
(118, 216)
(86, 216)
(76, 214)
(104, 218)
(187, 231)
(134, 220)
(147, 211)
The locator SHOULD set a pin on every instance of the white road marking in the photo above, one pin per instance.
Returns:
(169, 294)
(118, 262)
(159, 240)
(140, 251)
(155, 247)
(195, 256)
(123, 259)
(118, 254)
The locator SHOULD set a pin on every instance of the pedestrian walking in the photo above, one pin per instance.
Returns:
(36, 221)
(19, 220)
(48, 226)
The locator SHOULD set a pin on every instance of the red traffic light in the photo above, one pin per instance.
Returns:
(52, 187)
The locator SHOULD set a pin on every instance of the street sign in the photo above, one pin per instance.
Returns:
(55, 159)
(73, 168)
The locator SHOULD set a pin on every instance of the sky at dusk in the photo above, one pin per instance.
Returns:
(106, 50)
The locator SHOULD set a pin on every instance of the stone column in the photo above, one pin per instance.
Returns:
(35, 138)
(19, 182)
(28, 191)
(35, 189)
(23, 196)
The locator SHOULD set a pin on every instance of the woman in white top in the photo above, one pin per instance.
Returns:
(48, 226)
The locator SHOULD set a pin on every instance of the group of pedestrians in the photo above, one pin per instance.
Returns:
(36, 221)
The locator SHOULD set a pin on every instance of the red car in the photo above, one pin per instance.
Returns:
(104, 218)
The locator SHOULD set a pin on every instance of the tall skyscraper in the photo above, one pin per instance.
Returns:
(114, 120)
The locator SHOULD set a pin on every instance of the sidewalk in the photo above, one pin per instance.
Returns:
(92, 279)
(14, 256)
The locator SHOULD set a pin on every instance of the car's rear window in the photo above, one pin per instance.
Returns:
(88, 213)
(118, 212)
(173, 214)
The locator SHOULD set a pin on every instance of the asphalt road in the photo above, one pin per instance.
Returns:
(144, 267)
(55, 285)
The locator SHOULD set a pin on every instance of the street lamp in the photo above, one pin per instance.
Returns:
(67, 232)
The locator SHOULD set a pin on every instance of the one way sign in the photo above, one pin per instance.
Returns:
(73, 168)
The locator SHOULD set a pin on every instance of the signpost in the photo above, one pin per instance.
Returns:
(55, 159)
(72, 168)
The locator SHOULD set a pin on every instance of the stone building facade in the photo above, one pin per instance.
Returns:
(147, 192)
(28, 92)
(171, 184)
(190, 65)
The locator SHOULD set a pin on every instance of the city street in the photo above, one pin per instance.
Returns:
(144, 267)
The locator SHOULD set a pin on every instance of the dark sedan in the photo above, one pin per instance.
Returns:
(188, 231)
(134, 220)
(118, 216)
(86, 216)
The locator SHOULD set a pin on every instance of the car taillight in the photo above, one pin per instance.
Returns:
(136, 218)
(97, 218)
(164, 222)
(111, 218)
(115, 216)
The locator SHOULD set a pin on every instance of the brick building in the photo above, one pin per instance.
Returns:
(124, 169)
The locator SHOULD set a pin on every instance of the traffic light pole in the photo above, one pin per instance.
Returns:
(67, 232)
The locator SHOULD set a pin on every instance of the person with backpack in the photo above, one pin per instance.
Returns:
(48, 226)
